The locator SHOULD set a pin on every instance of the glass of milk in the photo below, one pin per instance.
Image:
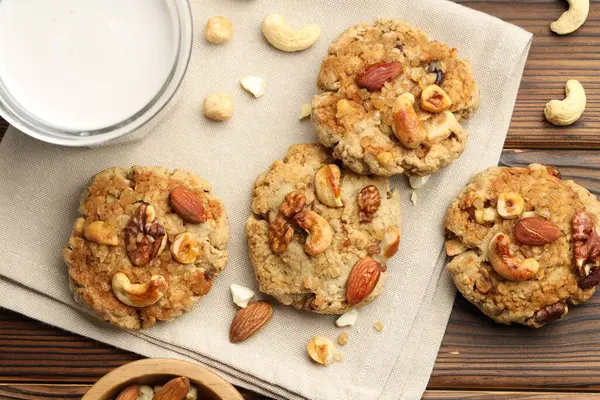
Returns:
(82, 72)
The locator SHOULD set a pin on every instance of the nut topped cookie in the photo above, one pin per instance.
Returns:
(148, 245)
(393, 100)
(320, 235)
(524, 244)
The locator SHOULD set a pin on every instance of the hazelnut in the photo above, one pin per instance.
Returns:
(218, 30)
(434, 99)
(321, 350)
(510, 205)
(185, 249)
(218, 106)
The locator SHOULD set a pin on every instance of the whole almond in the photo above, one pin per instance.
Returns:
(131, 392)
(536, 231)
(362, 280)
(374, 76)
(175, 389)
(249, 320)
(187, 205)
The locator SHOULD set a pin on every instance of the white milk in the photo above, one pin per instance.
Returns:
(86, 64)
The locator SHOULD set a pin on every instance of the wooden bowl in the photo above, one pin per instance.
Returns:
(157, 371)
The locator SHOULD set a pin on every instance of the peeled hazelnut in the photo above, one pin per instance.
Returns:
(185, 248)
(510, 205)
(218, 106)
(327, 186)
(218, 30)
(434, 99)
(102, 233)
(321, 350)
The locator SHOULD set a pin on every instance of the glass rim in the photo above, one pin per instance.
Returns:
(28, 123)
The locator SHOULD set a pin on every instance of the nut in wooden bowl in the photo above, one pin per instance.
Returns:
(169, 374)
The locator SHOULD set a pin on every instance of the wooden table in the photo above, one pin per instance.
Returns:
(477, 358)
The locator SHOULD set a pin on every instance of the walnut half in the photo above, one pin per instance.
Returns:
(145, 237)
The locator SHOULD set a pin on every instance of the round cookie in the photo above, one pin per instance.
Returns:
(524, 244)
(320, 236)
(132, 258)
(370, 111)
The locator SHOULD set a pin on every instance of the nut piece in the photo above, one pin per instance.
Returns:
(347, 319)
(218, 30)
(319, 231)
(388, 246)
(362, 280)
(486, 215)
(102, 233)
(454, 247)
(343, 338)
(378, 326)
(591, 280)
(536, 231)
(434, 99)
(249, 320)
(305, 111)
(569, 110)
(417, 182)
(145, 237)
(185, 248)
(280, 235)
(327, 185)
(407, 125)
(293, 203)
(510, 205)
(146, 393)
(440, 127)
(192, 394)
(131, 392)
(141, 294)
(506, 264)
(374, 76)
(586, 242)
(483, 282)
(286, 38)
(321, 350)
(369, 201)
(550, 313)
(254, 84)
(573, 18)
(241, 295)
(175, 389)
(187, 205)
(218, 106)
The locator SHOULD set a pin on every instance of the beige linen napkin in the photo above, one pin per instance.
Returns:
(40, 186)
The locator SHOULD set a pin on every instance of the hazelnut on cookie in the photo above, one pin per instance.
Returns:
(524, 244)
(320, 235)
(392, 100)
(148, 245)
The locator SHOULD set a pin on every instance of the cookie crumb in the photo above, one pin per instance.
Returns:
(379, 326)
(413, 198)
(343, 338)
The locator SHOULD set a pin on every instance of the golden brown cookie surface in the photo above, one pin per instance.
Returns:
(512, 235)
(139, 253)
(369, 67)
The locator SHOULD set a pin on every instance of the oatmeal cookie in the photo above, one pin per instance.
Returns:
(392, 100)
(524, 243)
(320, 236)
(148, 245)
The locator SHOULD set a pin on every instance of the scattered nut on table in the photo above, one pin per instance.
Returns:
(241, 295)
(569, 110)
(254, 84)
(305, 111)
(321, 350)
(218, 30)
(343, 338)
(286, 38)
(249, 320)
(417, 182)
(347, 319)
(573, 18)
(218, 106)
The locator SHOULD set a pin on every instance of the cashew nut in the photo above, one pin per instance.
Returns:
(327, 185)
(573, 18)
(286, 38)
(506, 264)
(101, 233)
(569, 110)
(140, 294)
(319, 231)
(407, 125)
